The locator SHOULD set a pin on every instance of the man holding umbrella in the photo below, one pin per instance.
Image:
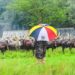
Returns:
(42, 33)
(40, 50)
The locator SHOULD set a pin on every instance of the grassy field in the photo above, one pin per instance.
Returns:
(24, 63)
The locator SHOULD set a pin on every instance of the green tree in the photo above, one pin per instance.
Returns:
(71, 15)
(41, 11)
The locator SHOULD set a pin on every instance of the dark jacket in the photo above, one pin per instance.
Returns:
(40, 49)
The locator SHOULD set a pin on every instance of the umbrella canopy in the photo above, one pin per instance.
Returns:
(43, 32)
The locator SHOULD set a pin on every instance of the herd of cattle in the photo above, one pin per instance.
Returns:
(30, 43)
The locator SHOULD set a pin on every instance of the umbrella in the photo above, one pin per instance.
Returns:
(43, 32)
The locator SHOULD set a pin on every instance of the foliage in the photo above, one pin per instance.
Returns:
(72, 11)
(40, 11)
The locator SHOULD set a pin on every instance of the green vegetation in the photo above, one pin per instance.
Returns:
(24, 63)
(59, 13)
(41, 11)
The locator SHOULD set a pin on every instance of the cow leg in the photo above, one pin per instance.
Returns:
(63, 48)
(7, 47)
(3, 50)
(16, 47)
(70, 48)
(33, 51)
(52, 49)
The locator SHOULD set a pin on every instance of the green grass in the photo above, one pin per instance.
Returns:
(24, 63)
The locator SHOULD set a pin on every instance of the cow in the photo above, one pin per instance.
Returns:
(3, 46)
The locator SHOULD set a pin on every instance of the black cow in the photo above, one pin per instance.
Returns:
(3, 46)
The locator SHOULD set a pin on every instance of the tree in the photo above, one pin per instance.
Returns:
(41, 11)
(72, 12)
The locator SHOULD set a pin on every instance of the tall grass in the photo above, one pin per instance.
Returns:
(24, 63)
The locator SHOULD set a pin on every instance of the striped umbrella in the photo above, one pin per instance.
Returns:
(43, 32)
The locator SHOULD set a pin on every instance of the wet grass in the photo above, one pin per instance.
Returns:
(24, 63)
